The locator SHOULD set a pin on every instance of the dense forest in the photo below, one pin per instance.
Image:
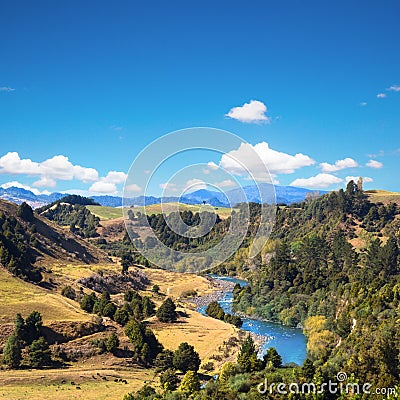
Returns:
(345, 298)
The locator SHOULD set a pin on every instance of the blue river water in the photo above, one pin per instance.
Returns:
(290, 343)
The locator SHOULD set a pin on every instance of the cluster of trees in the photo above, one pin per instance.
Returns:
(235, 381)
(184, 359)
(80, 220)
(186, 224)
(27, 334)
(135, 306)
(214, 310)
(17, 244)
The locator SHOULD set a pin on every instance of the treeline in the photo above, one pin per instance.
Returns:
(135, 306)
(27, 339)
(17, 243)
(79, 219)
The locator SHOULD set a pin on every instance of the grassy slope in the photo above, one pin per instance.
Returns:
(383, 196)
(106, 213)
(17, 296)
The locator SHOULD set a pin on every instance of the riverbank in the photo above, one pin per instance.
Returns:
(221, 288)
(290, 343)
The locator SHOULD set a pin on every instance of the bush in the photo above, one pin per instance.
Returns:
(69, 291)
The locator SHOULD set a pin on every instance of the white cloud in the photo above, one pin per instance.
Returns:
(133, 187)
(394, 88)
(22, 186)
(212, 165)
(339, 165)
(366, 179)
(244, 161)
(381, 95)
(172, 187)
(374, 164)
(195, 184)
(115, 177)
(253, 112)
(45, 182)
(320, 181)
(103, 187)
(6, 89)
(225, 183)
(363, 103)
(57, 167)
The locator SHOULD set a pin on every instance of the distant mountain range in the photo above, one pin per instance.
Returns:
(284, 194)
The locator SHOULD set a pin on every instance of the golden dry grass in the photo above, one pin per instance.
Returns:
(173, 284)
(38, 385)
(204, 333)
(17, 296)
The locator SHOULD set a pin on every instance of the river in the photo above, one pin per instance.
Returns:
(290, 343)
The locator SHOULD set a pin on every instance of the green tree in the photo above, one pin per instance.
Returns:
(169, 381)
(190, 383)
(19, 327)
(25, 212)
(166, 312)
(308, 370)
(145, 344)
(12, 351)
(109, 310)
(272, 358)
(121, 316)
(39, 353)
(214, 310)
(164, 360)
(33, 325)
(186, 358)
(247, 358)
(88, 301)
(148, 307)
(112, 343)
(69, 291)
(156, 289)
(227, 370)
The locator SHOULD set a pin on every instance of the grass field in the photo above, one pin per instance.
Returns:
(204, 333)
(55, 384)
(17, 296)
(383, 196)
(106, 213)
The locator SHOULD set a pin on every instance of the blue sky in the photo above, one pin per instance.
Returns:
(95, 82)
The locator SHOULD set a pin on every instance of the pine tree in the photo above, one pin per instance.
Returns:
(12, 352)
(272, 358)
(190, 383)
(112, 343)
(39, 353)
(186, 358)
(166, 312)
(247, 358)
(169, 381)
